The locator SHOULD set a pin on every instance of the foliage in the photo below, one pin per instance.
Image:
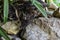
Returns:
(3, 33)
(39, 7)
(57, 2)
(6, 10)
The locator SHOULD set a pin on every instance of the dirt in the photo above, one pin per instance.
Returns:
(24, 14)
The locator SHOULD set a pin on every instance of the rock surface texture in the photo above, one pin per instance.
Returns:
(43, 29)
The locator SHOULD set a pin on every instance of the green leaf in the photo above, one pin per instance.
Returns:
(6, 10)
(3, 33)
(40, 8)
(32, 1)
(57, 2)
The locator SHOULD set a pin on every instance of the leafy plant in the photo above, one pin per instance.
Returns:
(39, 7)
(3, 33)
(57, 2)
(6, 10)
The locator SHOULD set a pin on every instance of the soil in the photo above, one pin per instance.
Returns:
(21, 11)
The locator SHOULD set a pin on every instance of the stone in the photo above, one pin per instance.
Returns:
(11, 27)
(51, 26)
(33, 32)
